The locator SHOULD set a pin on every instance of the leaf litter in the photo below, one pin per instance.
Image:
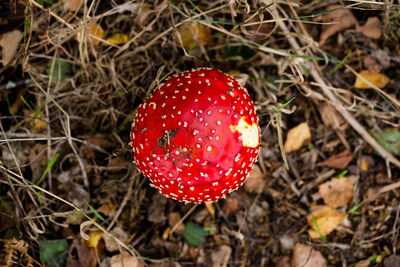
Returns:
(87, 94)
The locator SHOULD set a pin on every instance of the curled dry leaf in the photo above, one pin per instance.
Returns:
(339, 19)
(378, 79)
(92, 34)
(9, 44)
(372, 28)
(73, 5)
(254, 182)
(193, 33)
(305, 256)
(336, 192)
(327, 220)
(297, 137)
(338, 161)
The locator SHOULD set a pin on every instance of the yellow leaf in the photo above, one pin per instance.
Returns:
(38, 124)
(193, 33)
(297, 137)
(117, 39)
(378, 79)
(92, 34)
(210, 207)
(94, 239)
(327, 220)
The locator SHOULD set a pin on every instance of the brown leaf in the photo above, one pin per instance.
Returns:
(73, 5)
(255, 182)
(336, 192)
(329, 115)
(118, 164)
(221, 256)
(124, 259)
(9, 42)
(231, 205)
(372, 28)
(305, 256)
(342, 19)
(392, 261)
(86, 254)
(297, 137)
(156, 211)
(327, 220)
(370, 63)
(283, 261)
(173, 219)
(338, 161)
(109, 242)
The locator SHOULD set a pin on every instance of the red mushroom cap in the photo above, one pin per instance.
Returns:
(197, 136)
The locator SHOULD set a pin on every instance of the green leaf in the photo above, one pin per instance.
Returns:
(194, 234)
(53, 252)
(58, 70)
(389, 138)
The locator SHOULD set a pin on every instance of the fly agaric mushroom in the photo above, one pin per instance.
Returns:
(197, 136)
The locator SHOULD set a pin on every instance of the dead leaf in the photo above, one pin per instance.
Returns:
(372, 28)
(173, 219)
(392, 261)
(9, 42)
(378, 79)
(342, 19)
(118, 164)
(370, 63)
(210, 207)
(231, 205)
(255, 182)
(327, 220)
(124, 259)
(156, 211)
(382, 57)
(338, 161)
(109, 242)
(73, 5)
(92, 34)
(305, 256)
(94, 239)
(87, 255)
(283, 261)
(117, 39)
(98, 143)
(297, 137)
(107, 209)
(336, 192)
(329, 115)
(366, 163)
(221, 256)
(193, 33)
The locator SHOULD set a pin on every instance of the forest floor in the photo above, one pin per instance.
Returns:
(72, 74)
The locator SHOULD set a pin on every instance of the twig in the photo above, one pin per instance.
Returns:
(315, 74)
(12, 85)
